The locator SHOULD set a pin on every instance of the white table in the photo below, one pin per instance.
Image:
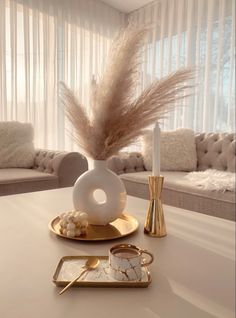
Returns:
(193, 275)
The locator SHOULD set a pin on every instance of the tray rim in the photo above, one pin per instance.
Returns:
(134, 284)
(83, 238)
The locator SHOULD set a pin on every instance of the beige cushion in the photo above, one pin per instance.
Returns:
(178, 150)
(16, 145)
(180, 192)
(18, 180)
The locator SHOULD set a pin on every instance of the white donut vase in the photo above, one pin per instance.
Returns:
(100, 213)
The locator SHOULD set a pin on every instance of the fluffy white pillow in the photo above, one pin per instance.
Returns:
(16, 145)
(178, 150)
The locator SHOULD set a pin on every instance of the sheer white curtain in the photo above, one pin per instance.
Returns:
(48, 41)
(45, 42)
(199, 33)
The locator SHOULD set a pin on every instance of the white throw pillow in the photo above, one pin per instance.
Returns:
(16, 145)
(178, 150)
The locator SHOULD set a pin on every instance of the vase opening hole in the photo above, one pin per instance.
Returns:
(100, 196)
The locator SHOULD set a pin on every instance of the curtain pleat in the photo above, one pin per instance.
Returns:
(197, 94)
(3, 86)
(154, 39)
(219, 56)
(13, 65)
(27, 62)
(231, 93)
(161, 40)
(2, 11)
(170, 65)
(207, 66)
(190, 39)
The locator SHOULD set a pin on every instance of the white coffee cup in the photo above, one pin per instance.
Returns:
(126, 262)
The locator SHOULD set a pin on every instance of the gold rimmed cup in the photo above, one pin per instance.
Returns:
(126, 262)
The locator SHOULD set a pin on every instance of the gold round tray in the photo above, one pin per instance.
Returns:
(121, 227)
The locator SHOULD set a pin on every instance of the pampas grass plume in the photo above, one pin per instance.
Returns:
(117, 118)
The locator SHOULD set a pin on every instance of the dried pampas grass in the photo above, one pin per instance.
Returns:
(117, 118)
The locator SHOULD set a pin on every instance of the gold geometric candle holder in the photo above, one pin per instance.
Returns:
(155, 221)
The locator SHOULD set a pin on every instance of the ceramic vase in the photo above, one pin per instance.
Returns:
(100, 177)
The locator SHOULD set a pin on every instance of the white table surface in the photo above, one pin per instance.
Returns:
(193, 275)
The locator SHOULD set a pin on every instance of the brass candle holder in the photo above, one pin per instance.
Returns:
(155, 221)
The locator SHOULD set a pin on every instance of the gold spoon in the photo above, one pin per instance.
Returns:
(90, 264)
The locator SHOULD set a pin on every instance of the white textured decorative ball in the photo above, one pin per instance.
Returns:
(73, 223)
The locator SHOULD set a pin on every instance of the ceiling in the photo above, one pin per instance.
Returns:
(127, 6)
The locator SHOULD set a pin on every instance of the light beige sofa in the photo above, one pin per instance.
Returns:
(51, 169)
(213, 151)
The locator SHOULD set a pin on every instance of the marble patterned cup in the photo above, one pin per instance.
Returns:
(126, 262)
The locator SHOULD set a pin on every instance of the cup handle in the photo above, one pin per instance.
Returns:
(151, 258)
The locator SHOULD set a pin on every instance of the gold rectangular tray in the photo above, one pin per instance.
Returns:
(70, 266)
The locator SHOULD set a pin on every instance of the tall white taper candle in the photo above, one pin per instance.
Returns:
(156, 156)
